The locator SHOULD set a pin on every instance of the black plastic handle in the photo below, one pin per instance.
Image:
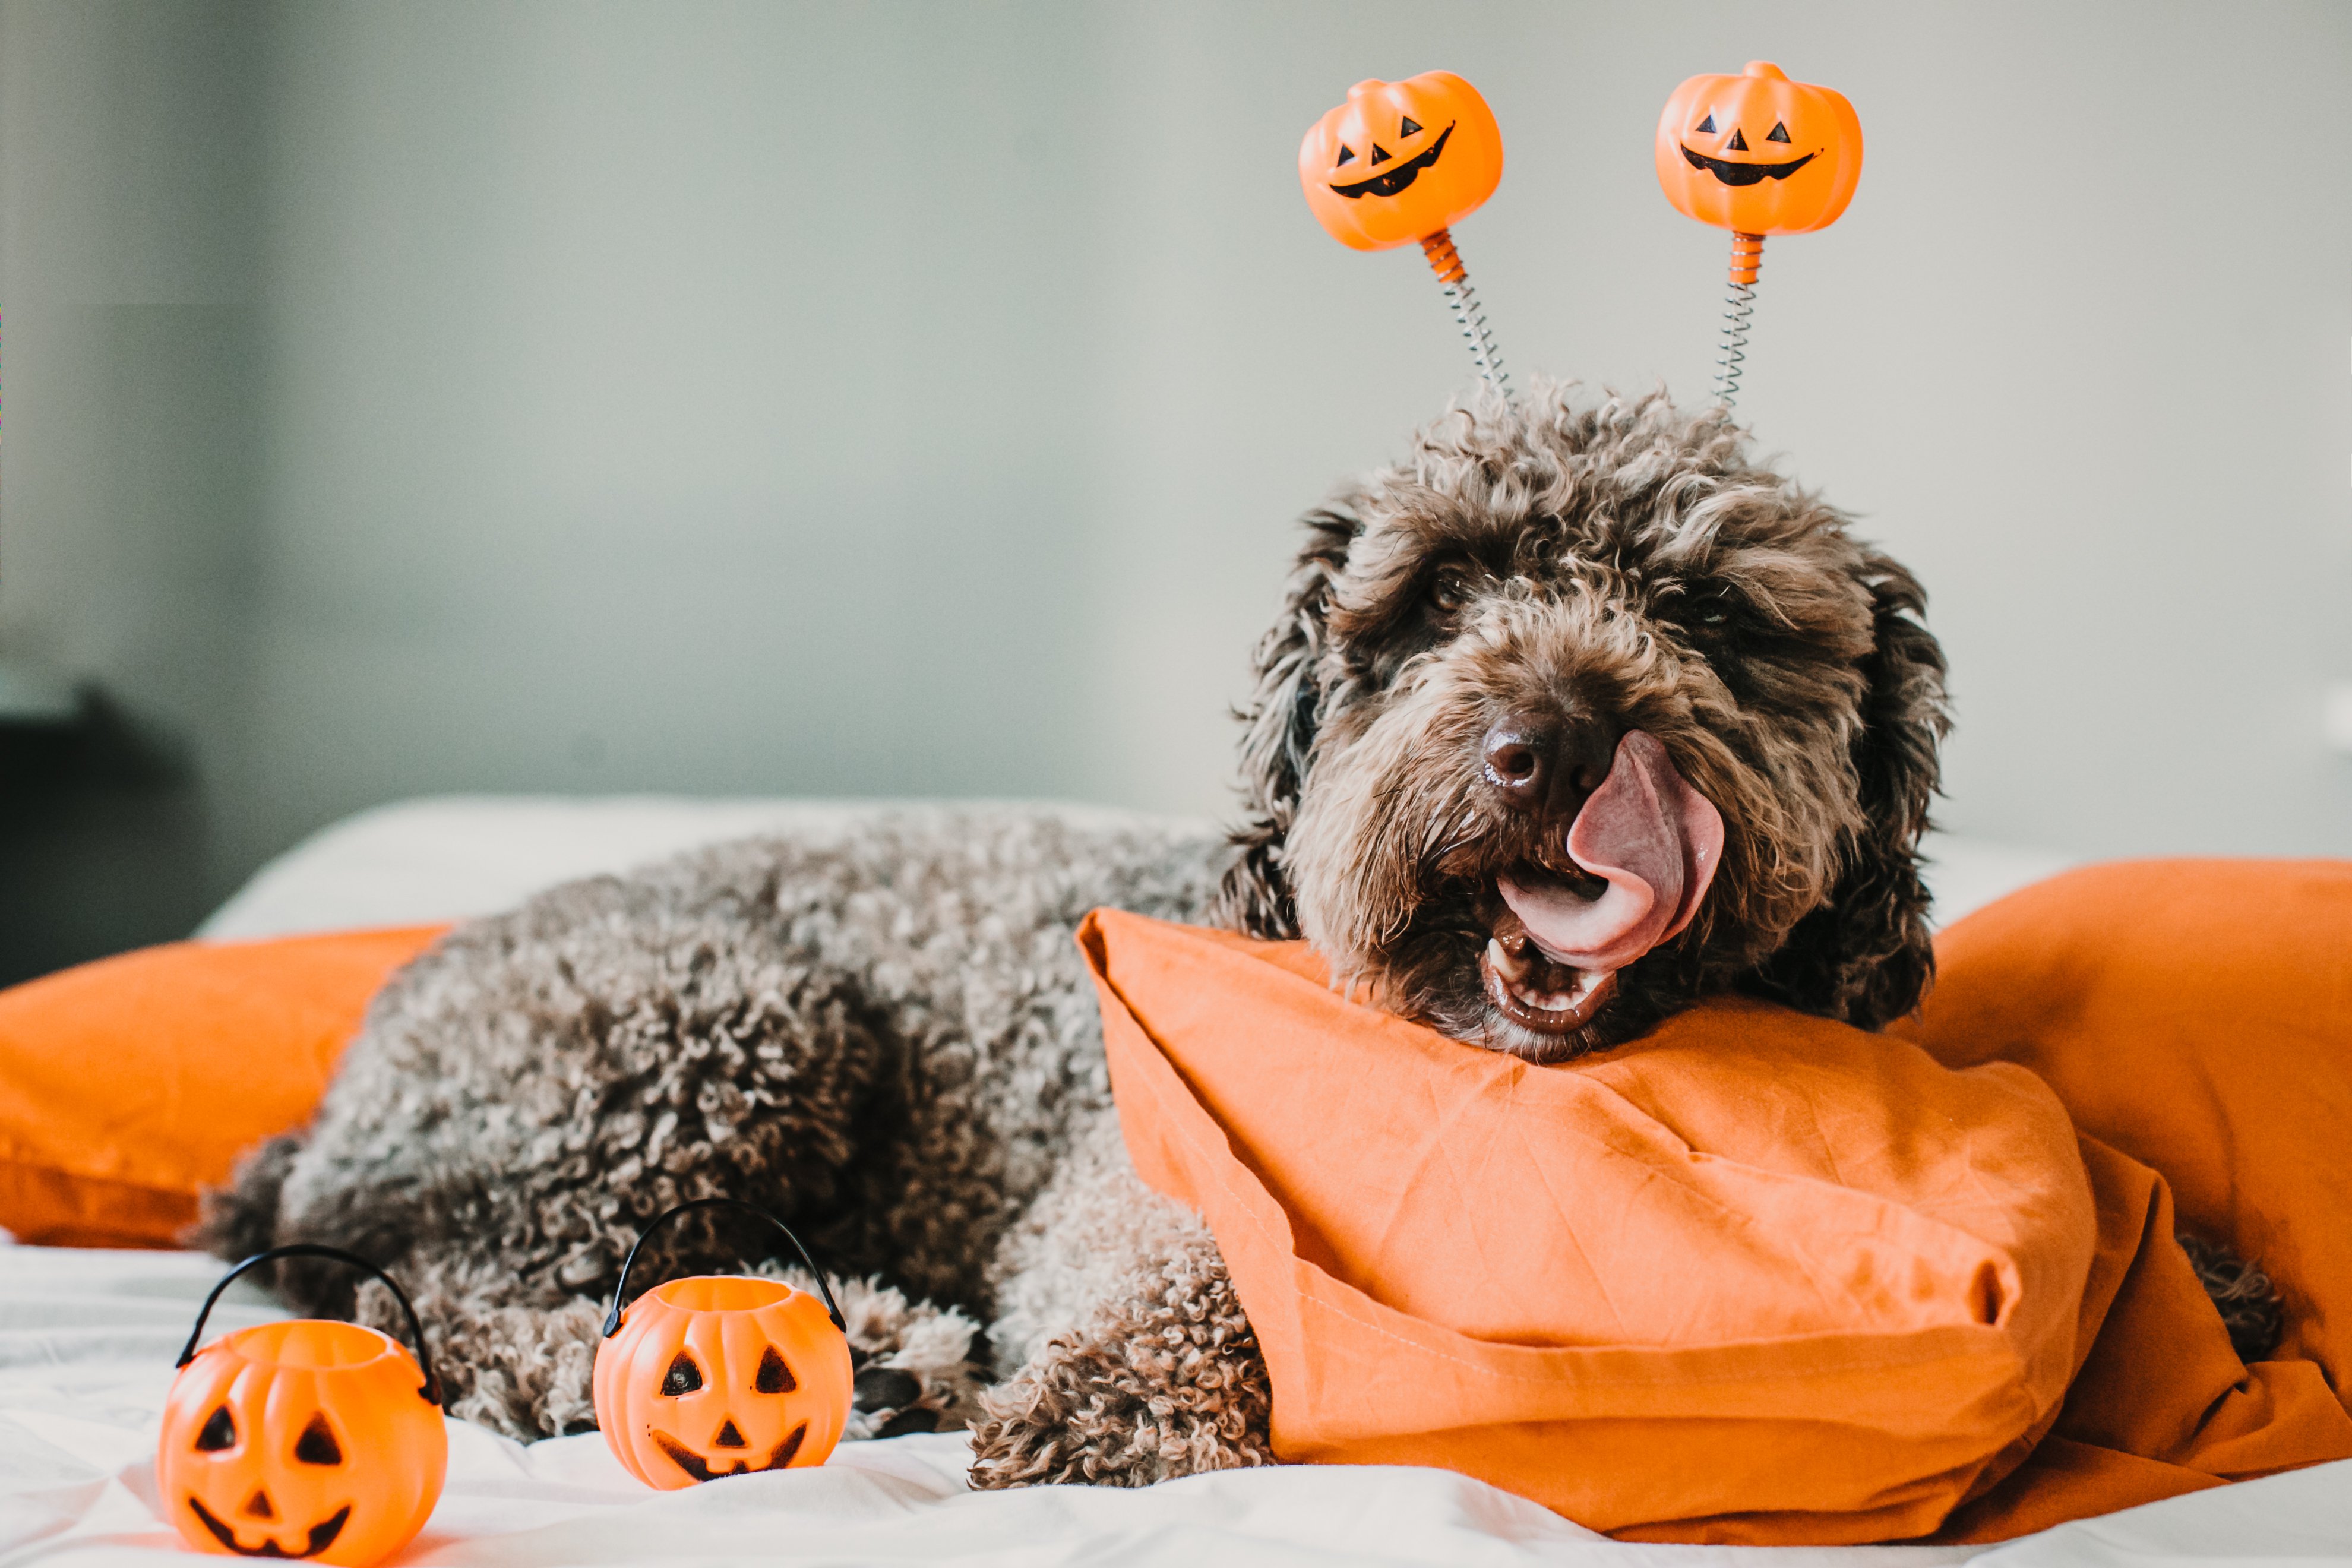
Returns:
(432, 1389)
(612, 1318)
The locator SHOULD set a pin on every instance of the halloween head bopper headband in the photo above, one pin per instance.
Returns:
(1405, 160)
(1758, 154)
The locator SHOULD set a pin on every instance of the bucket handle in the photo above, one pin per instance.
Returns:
(432, 1389)
(612, 1318)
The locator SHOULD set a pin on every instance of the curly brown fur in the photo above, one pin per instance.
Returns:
(528, 1371)
(882, 1030)
(2249, 1304)
(1605, 569)
(883, 1033)
(1162, 1379)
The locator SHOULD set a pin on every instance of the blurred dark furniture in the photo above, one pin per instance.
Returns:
(101, 837)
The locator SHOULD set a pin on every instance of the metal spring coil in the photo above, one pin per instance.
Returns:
(1746, 261)
(1464, 300)
(1446, 262)
(1737, 306)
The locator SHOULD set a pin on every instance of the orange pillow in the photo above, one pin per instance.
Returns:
(2197, 1016)
(1757, 1278)
(129, 1084)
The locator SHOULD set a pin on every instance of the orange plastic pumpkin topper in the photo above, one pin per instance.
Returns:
(1400, 160)
(1755, 154)
(1404, 161)
(721, 1375)
(303, 1439)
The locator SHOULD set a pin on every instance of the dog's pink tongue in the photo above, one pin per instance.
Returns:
(1654, 838)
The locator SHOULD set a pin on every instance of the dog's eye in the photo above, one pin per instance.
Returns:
(1708, 612)
(1449, 593)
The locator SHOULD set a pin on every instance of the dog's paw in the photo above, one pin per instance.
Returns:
(911, 1360)
(525, 1372)
(1170, 1384)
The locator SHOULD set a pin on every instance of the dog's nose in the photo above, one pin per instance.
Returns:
(1536, 760)
(1518, 755)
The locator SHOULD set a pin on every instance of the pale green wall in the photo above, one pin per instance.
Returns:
(902, 399)
(131, 329)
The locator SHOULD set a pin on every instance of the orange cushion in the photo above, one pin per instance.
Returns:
(129, 1084)
(1757, 1278)
(2196, 1016)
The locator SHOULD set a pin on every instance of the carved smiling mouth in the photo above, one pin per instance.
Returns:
(322, 1534)
(694, 1465)
(1746, 173)
(1398, 178)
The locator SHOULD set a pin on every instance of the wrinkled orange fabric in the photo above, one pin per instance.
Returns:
(2196, 1017)
(1757, 1278)
(128, 1085)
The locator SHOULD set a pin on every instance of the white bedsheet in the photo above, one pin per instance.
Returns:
(449, 856)
(87, 1341)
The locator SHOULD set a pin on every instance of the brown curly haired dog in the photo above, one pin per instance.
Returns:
(882, 1032)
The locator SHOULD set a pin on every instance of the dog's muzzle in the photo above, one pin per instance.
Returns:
(1643, 848)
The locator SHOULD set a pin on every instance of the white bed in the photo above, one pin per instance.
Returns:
(87, 1341)
(451, 856)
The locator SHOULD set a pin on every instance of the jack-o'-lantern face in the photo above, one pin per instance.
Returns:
(1400, 160)
(721, 1375)
(1757, 154)
(303, 1439)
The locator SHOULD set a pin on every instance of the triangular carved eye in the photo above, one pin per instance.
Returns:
(1411, 127)
(774, 1377)
(683, 1376)
(1779, 133)
(1347, 154)
(317, 1446)
(220, 1432)
(1380, 154)
(1737, 143)
(1707, 126)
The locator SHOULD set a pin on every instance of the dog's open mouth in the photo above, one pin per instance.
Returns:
(1532, 990)
(1627, 875)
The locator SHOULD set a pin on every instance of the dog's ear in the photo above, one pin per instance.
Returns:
(1865, 956)
(1280, 719)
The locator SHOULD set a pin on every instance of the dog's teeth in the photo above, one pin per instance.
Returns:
(1542, 1001)
(1587, 983)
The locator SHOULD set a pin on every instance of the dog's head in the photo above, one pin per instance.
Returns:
(1547, 607)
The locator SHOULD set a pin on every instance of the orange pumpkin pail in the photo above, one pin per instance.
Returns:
(721, 1375)
(305, 1438)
